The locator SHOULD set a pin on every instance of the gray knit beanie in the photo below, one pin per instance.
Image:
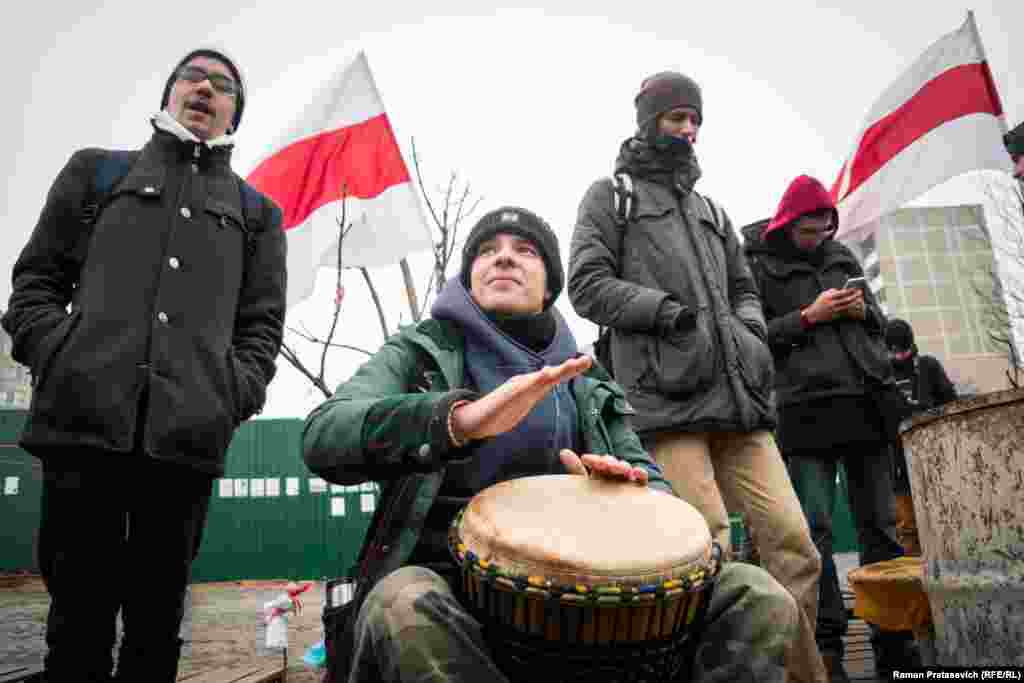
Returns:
(663, 92)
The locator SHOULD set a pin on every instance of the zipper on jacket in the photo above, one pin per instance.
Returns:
(604, 432)
(376, 549)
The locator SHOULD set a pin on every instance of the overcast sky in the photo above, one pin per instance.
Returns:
(528, 105)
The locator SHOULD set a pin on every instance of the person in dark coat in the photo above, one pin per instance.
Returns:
(925, 385)
(687, 339)
(150, 319)
(830, 364)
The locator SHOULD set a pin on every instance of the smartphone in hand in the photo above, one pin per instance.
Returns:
(855, 283)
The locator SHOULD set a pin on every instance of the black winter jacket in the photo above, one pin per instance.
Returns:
(714, 377)
(846, 357)
(166, 299)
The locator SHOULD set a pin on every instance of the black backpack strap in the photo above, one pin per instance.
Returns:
(111, 168)
(624, 210)
(624, 198)
(252, 213)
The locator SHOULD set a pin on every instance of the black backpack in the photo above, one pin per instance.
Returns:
(624, 200)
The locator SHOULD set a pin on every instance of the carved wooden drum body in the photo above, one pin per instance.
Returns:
(591, 579)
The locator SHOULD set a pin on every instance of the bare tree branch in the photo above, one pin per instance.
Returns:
(419, 178)
(313, 339)
(1002, 289)
(289, 355)
(342, 232)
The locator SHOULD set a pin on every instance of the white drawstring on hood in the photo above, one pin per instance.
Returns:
(165, 122)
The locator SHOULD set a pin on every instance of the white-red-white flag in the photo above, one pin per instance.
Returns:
(942, 117)
(342, 146)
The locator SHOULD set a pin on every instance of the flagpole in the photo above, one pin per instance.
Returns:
(410, 290)
(981, 49)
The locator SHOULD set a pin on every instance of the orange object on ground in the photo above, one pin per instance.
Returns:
(891, 594)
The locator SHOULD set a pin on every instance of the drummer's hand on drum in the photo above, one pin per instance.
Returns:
(505, 407)
(607, 466)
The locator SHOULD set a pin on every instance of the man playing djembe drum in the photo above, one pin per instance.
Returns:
(492, 388)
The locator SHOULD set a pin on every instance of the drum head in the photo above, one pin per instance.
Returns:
(572, 529)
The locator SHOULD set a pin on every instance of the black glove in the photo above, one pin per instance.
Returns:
(674, 319)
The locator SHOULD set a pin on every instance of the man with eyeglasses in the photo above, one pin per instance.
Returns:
(827, 336)
(149, 304)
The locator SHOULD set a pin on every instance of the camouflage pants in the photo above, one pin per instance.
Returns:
(412, 628)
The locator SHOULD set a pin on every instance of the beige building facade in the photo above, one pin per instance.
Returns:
(936, 266)
(15, 379)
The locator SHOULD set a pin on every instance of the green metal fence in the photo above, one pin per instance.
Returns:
(22, 479)
(269, 516)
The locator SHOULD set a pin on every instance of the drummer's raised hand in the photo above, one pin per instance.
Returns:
(505, 407)
(608, 466)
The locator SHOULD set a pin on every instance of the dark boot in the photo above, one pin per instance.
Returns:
(150, 662)
(835, 669)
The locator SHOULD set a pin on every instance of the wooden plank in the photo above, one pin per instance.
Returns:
(21, 674)
(859, 658)
(253, 674)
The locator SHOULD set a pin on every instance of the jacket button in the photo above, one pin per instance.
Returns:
(185, 212)
(173, 262)
(162, 317)
(195, 167)
(425, 452)
(149, 189)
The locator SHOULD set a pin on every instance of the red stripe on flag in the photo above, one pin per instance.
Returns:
(363, 158)
(960, 91)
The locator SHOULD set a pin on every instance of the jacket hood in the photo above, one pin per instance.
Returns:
(804, 195)
(752, 233)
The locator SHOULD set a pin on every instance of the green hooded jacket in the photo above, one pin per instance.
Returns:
(388, 423)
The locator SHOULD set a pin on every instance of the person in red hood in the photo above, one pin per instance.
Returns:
(831, 365)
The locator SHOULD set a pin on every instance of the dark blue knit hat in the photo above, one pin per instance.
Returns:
(526, 224)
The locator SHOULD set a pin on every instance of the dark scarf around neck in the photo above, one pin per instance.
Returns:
(667, 161)
(534, 331)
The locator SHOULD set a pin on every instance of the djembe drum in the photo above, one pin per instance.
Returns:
(583, 579)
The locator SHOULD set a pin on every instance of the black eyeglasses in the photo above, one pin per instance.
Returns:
(220, 82)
